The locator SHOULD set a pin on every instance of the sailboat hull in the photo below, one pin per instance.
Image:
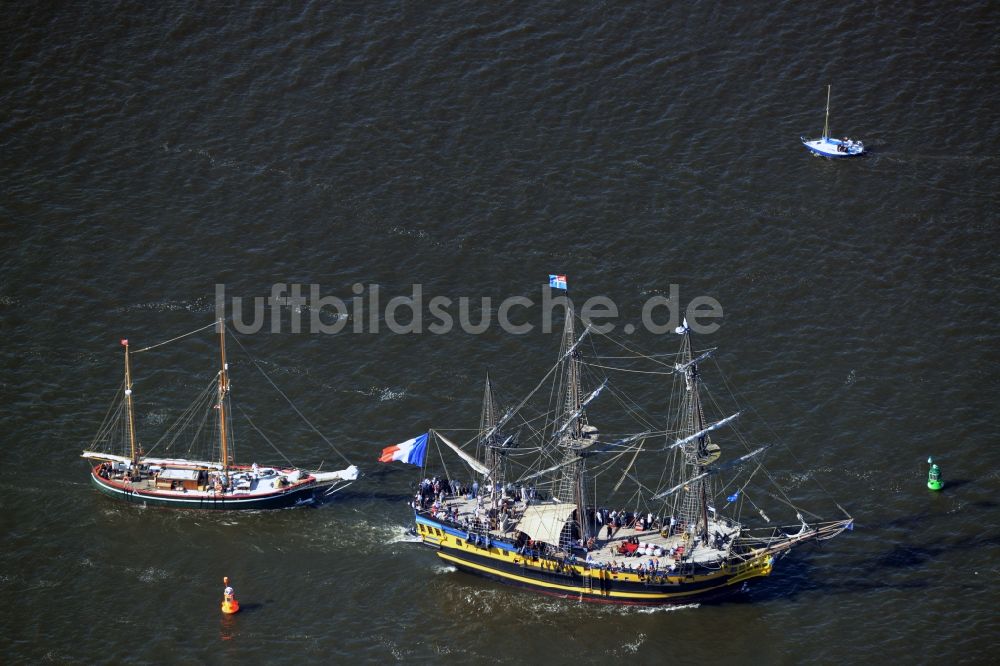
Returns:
(501, 561)
(296, 495)
(834, 148)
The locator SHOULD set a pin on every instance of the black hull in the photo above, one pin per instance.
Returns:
(304, 494)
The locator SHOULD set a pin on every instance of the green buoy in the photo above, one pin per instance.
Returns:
(934, 481)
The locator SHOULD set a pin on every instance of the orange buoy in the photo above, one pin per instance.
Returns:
(229, 603)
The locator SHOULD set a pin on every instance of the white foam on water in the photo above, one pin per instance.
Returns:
(361, 536)
(154, 418)
(633, 647)
(661, 609)
(408, 232)
(149, 574)
(402, 534)
(388, 394)
(197, 305)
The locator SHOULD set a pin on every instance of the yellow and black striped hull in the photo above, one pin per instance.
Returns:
(501, 562)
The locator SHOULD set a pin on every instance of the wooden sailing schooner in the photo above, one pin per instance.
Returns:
(126, 472)
(670, 521)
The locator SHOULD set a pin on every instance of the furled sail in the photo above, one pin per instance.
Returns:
(704, 431)
(171, 462)
(710, 471)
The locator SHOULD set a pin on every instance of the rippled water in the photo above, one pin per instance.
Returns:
(152, 151)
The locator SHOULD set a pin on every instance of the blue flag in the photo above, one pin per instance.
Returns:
(732, 498)
(558, 282)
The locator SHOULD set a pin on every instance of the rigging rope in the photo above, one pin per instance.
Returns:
(116, 406)
(611, 367)
(261, 433)
(788, 500)
(290, 403)
(179, 337)
(187, 417)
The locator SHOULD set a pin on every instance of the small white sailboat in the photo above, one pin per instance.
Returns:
(827, 146)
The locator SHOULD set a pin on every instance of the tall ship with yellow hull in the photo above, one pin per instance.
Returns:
(170, 473)
(544, 500)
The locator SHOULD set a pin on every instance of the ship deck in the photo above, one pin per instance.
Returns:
(245, 483)
(621, 548)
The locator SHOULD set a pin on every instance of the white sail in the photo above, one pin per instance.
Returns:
(473, 463)
(545, 522)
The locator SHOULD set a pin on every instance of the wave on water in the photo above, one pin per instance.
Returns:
(629, 647)
(149, 574)
(237, 165)
(660, 609)
(197, 305)
(408, 233)
(389, 394)
(544, 606)
(383, 394)
(154, 418)
(444, 569)
(362, 536)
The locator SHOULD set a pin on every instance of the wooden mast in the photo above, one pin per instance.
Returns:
(487, 423)
(128, 400)
(579, 496)
(698, 418)
(571, 482)
(223, 389)
(826, 122)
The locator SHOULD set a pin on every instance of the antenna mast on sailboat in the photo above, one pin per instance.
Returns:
(826, 122)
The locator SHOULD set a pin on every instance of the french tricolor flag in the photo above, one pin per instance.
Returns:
(411, 451)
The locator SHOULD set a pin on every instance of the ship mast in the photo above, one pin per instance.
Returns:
(826, 123)
(699, 452)
(575, 434)
(487, 424)
(134, 453)
(223, 390)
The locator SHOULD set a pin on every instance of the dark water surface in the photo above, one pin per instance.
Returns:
(149, 151)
